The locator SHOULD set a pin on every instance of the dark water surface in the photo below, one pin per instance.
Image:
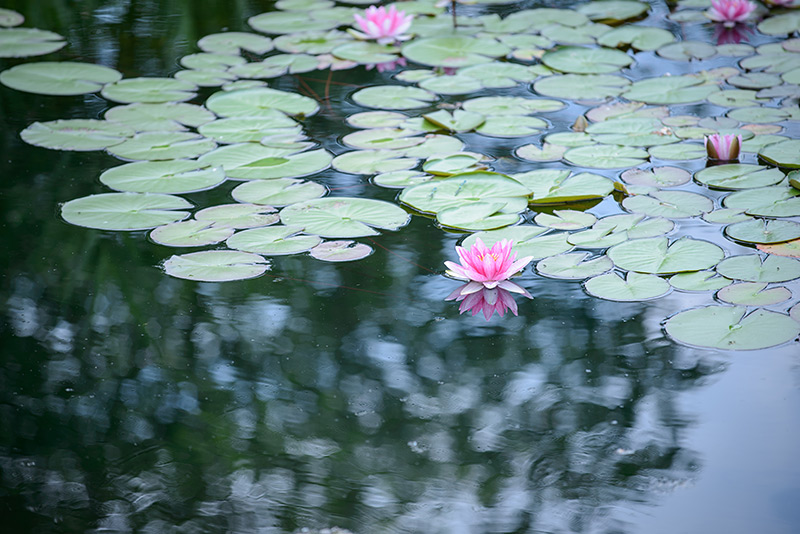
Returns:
(347, 395)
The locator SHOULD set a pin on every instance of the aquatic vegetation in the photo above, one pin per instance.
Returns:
(729, 12)
(488, 267)
(723, 147)
(384, 25)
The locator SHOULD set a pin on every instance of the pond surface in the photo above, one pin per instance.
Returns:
(351, 394)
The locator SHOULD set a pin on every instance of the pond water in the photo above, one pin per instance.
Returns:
(351, 394)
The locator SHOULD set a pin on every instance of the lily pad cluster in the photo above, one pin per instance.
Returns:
(469, 124)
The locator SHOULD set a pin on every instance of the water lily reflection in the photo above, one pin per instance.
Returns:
(485, 300)
(388, 66)
(732, 34)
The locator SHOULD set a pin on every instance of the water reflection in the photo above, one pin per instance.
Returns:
(732, 34)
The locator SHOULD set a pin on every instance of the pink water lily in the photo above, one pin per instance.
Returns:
(723, 147)
(488, 267)
(729, 12)
(485, 300)
(384, 25)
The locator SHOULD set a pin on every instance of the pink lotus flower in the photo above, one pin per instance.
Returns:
(385, 26)
(723, 147)
(730, 12)
(485, 300)
(489, 268)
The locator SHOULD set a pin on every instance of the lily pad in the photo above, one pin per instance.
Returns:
(282, 22)
(464, 189)
(727, 328)
(613, 11)
(511, 126)
(454, 51)
(657, 176)
(76, 134)
(579, 60)
(249, 161)
(394, 97)
(699, 281)
(670, 90)
(340, 251)
(606, 156)
(190, 234)
(273, 240)
(216, 266)
(238, 215)
(458, 163)
(382, 139)
(477, 216)
(548, 152)
(511, 105)
(243, 130)
(401, 179)
(26, 42)
(678, 151)
(774, 201)
(155, 146)
(553, 186)
(278, 192)
(58, 78)
(657, 256)
(149, 90)
(634, 287)
(316, 43)
(687, 51)
(372, 162)
(565, 219)
(582, 86)
(276, 66)
(125, 211)
(235, 43)
(784, 154)
(739, 176)
(172, 177)
(763, 231)
(638, 37)
(753, 294)
(376, 119)
(259, 103)
(790, 249)
(752, 268)
(574, 266)
(458, 121)
(343, 217)
(166, 117)
(670, 204)
(638, 131)
(10, 18)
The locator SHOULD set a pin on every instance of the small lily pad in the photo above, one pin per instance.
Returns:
(235, 43)
(149, 90)
(190, 234)
(670, 204)
(657, 256)
(752, 268)
(582, 86)
(376, 119)
(27, 42)
(458, 121)
(260, 102)
(343, 217)
(698, 281)
(565, 219)
(511, 126)
(670, 90)
(58, 78)
(657, 176)
(725, 216)
(401, 179)
(574, 266)
(10, 18)
(579, 60)
(638, 37)
(773, 201)
(340, 251)
(125, 211)
(763, 231)
(458, 163)
(554, 186)
(372, 162)
(159, 146)
(278, 192)
(753, 294)
(687, 51)
(243, 130)
(678, 151)
(634, 287)
(394, 97)
(606, 156)
(172, 177)
(282, 22)
(739, 176)
(784, 154)
(273, 240)
(464, 189)
(477, 216)
(165, 117)
(382, 139)
(613, 11)
(76, 134)
(238, 215)
(727, 328)
(249, 161)
(454, 51)
(548, 152)
(511, 105)
(216, 266)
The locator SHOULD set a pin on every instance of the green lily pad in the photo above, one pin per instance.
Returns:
(401, 179)
(343, 217)
(789, 249)
(656, 255)
(678, 151)
(382, 138)
(498, 74)
(727, 328)
(394, 97)
(460, 190)
(316, 43)
(273, 240)
(759, 115)
(606, 156)
(687, 51)
(238, 215)
(670, 204)
(243, 130)
(582, 86)
(27, 42)
(596, 238)
(739, 176)
(451, 85)
(634, 225)
(657, 176)
(634, 287)
(565, 219)
(276, 66)
(613, 11)
(376, 119)
(527, 240)
(249, 161)
(171, 177)
(784, 154)
(774, 201)
(454, 51)
(282, 22)
(216, 266)
(9, 18)
(511, 126)
(752, 268)
(548, 152)
(458, 121)
(753, 294)
(125, 211)
(640, 132)
(153, 146)
(259, 103)
(580, 35)
(58, 78)
(574, 266)
(725, 216)
(235, 43)
(372, 162)
(458, 163)
(477, 216)
(554, 186)
(278, 192)
(205, 78)
(211, 61)
(763, 231)
(76, 134)
(735, 98)
(511, 105)
(149, 90)
(579, 60)
(340, 251)
(699, 281)
(670, 90)
(166, 117)
(190, 234)
(644, 38)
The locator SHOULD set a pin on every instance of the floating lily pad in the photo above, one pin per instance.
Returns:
(657, 256)
(10, 18)
(216, 266)
(340, 251)
(725, 216)
(205, 78)
(687, 51)
(164, 117)
(458, 121)
(752, 268)
(759, 115)
(278, 192)
(634, 225)
(735, 98)
(657, 176)
(574, 266)
(739, 176)
(477, 216)
(372, 162)
(125, 211)
(26, 42)
(382, 139)
(527, 240)
(613, 11)
(273, 240)
(394, 97)
(634, 287)
(548, 152)
(190, 234)
(260, 102)
(678, 151)
(554, 186)
(753, 294)
(211, 61)
(638, 37)
(774, 201)
(464, 189)
(243, 130)
(458, 163)
(316, 43)
(641, 132)
(784, 154)
(281, 22)
(454, 51)
(699, 281)
(172, 177)
(249, 161)
(401, 179)
(58, 78)
(511, 126)
(235, 43)
(343, 217)
(153, 146)
(238, 215)
(670, 90)
(727, 328)
(565, 219)
(511, 105)
(149, 90)
(376, 119)
(276, 66)
(606, 156)
(76, 134)
(499, 74)
(579, 60)
(670, 204)
(582, 86)
(596, 238)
